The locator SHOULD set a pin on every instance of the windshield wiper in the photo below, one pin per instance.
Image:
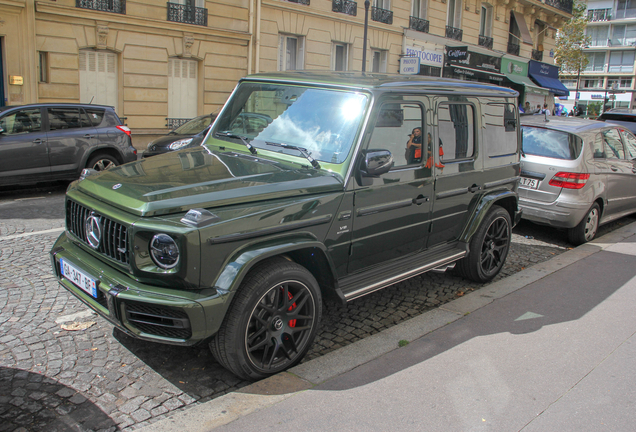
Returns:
(301, 150)
(229, 134)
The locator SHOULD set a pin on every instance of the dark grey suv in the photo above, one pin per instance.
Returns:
(45, 142)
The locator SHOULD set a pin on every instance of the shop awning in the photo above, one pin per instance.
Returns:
(527, 82)
(552, 84)
(523, 27)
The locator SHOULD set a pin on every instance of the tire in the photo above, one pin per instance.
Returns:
(271, 322)
(586, 229)
(102, 162)
(488, 248)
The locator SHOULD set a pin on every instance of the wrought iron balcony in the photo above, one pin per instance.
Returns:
(485, 41)
(344, 6)
(381, 15)
(115, 6)
(174, 123)
(187, 14)
(418, 24)
(537, 55)
(303, 2)
(564, 5)
(599, 14)
(513, 48)
(454, 33)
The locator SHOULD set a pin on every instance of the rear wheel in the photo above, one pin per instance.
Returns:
(586, 229)
(272, 321)
(102, 162)
(488, 247)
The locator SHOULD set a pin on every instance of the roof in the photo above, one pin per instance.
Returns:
(371, 81)
(574, 125)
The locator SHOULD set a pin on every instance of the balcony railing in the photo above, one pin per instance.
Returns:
(599, 14)
(622, 41)
(115, 6)
(187, 14)
(454, 33)
(513, 48)
(564, 5)
(418, 24)
(344, 6)
(381, 15)
(485, 41)
(302, 2)
(625, 13)
(600, 42)
(174, 123)
(537, 55)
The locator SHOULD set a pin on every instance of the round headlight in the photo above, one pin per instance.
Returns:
(180, 144)
(164, 251)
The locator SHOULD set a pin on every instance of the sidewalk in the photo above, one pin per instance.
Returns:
(550, 348)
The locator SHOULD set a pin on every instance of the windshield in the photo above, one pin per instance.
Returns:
(550, 143)
(194, 126)
(323, 122)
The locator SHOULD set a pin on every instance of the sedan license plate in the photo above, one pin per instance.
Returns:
(529, 183)
(78, 278)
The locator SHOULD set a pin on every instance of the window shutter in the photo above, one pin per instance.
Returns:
(300, 57)
(281, 52)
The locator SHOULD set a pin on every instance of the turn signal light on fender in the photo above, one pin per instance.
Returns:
(569, 180)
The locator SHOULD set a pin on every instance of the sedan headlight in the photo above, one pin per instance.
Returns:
(180, 144)
(164, 251)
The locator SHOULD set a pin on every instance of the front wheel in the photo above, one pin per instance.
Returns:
(272, 321)
(488, 247)
(587, 228)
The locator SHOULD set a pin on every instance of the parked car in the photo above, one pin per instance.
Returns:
(576, 174)
(45, 142)
(621, 116)
(189, 134)
(235, 243)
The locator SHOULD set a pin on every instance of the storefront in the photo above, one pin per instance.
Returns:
(517, 72)
(460, 63)
(547, 76)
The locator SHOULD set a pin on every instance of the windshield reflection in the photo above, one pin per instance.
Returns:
(321, 121)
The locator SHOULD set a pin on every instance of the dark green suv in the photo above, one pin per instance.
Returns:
(358, 182)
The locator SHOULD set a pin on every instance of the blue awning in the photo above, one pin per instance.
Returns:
(552, 84)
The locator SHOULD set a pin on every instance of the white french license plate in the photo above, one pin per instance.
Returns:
(529, 183)
(78, 277)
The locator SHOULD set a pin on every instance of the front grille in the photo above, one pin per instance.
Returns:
(114, 236)
(157, 320)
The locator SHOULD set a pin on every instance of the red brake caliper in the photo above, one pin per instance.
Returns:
(292, 323)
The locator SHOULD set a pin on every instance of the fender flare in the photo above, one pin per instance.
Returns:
(484, 206)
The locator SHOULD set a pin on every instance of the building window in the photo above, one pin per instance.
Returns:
(593, 83)
(182, 89)
(626, 9)
(569, 83)
(188, 12)
(454, 16)
(623, 35)
(419, 8)
(116, 6)
(596, 62)
(598, 35)
(485, 22)
(291, 52)
(98, 77)
(44, 67)
(621, 61)
(381, 11)
(514, 36)
(340, 57)
(379, 61)
(620, 83)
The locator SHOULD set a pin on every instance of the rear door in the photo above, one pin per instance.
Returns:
(391, 212)
(620, 186)
(70, 136)
(629, 140)
(23, 146)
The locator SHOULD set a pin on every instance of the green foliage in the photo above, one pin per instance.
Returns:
(571, 40)
(403, 343)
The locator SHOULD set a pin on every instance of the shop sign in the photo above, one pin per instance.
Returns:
(544, 69)
(427, 57)
(512, 67)
(460, 56)
(478, 75)
(409, 65)
(597, 96)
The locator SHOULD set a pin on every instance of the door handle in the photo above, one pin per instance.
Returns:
(474, 188)
(38, 141)
(420, 199)
(613, 168)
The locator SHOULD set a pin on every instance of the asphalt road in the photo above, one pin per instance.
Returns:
(53, 377)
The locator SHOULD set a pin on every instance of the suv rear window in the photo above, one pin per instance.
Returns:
(550, 143)
(95, 115)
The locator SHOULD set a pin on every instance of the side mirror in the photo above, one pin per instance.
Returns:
(1, 130)
(376, 163)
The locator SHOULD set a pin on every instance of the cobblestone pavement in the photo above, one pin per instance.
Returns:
(53, 379)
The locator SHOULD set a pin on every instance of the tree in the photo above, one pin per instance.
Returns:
(570, 41)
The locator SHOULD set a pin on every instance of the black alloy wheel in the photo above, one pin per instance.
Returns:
(494, 248)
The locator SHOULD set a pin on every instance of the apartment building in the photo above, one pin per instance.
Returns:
(608, 80)
(161, 62)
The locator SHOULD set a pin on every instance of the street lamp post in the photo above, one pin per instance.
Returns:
(364, 43)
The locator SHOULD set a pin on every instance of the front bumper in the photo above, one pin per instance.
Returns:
(142, 311)
(558, 214)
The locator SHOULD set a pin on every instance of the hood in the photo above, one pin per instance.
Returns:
(199, 178)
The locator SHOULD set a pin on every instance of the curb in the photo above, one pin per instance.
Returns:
(254, 397)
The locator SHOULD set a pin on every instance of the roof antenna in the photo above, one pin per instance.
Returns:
(92, 100)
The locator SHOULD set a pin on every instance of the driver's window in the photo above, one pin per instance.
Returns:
(613, 144)
(399, 129)
(22, 121)
(630, 144)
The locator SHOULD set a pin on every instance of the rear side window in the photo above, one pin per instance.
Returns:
(456, 131)
(95, 115)
(613, 144)
(551, 143)
(65, 118)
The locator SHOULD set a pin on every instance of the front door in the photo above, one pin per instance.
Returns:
(391, 212)
(620, 189)
(70, 136)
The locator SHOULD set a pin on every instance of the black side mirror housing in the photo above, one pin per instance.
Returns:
(376, 163)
